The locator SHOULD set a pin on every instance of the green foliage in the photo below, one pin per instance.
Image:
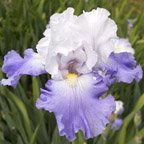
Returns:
(22, 23)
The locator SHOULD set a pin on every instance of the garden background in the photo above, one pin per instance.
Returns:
(22, 23)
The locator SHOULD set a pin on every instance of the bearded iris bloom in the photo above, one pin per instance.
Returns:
(84, 56)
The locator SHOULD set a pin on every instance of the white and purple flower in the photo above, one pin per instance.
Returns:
(84, 56)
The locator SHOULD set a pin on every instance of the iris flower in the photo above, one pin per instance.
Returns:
(84, 56)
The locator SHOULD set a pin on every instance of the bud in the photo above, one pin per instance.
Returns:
(137, 119)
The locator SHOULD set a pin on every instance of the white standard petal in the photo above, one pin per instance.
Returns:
(66, 34)
(96, 27)
(43, 45)
(122, 45)
(64, 39)
(104, 51)
(92, 58)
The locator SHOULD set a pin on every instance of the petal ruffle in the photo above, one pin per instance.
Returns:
(120, 67)
(15, 66)
(66, 33)
(96, 27)
(77, 105)
(125, 65)
(43, 44)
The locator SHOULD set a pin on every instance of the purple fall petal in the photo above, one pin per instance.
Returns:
(78, 106)
(14, 66)
(124, 66)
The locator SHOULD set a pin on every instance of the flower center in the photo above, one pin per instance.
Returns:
(72, 66)
(72, 78)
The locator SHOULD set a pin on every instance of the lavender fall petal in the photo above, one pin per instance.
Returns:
(14, 66)
(123, 67)
(77, 105)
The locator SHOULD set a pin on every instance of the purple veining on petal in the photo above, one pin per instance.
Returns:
(78, 107)
(15, 66)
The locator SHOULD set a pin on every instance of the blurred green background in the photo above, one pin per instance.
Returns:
(22, 23)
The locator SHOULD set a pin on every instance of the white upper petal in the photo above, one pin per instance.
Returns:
(43, 44)
(84, 38)
(122, 45)
(96, 27)
(64, 40)
(104, 50)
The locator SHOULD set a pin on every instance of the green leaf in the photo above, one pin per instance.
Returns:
(123, 131)
(21, 107)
